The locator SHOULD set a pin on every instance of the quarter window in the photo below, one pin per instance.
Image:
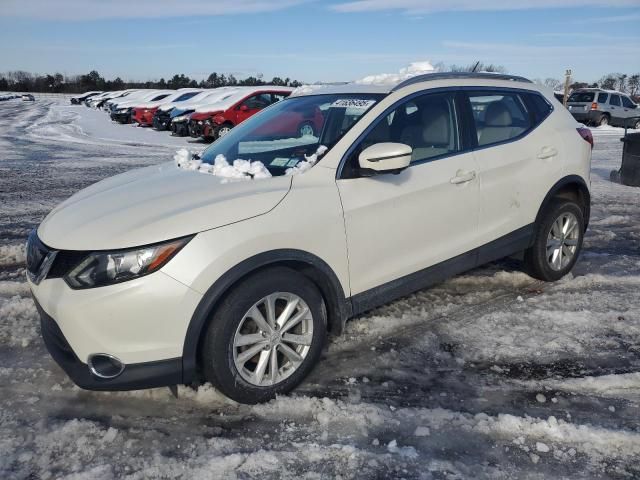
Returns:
(498, 116)
(602, 97)
(615, 100)
(428, 124)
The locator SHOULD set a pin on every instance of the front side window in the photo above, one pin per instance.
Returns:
(292, 131)
(499, 116)
(615, 100)
(428, 124)
(258, 102)
(626, 103)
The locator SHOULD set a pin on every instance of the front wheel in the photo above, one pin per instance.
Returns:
(265, 337)
(557, 243)
(221, 131)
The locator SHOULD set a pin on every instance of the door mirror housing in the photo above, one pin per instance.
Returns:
(385, 158)
(244, 108)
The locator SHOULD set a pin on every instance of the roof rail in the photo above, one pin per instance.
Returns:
(458, 75)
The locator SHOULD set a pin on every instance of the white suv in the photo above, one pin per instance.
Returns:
(234, 272)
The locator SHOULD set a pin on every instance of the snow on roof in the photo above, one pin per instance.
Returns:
(228, 100)
(379, 83)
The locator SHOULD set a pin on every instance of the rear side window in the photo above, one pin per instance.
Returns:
(602, 97)
(499, 116)
(582, 97)
(615, 100)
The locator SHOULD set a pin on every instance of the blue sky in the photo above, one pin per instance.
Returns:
(317, 40)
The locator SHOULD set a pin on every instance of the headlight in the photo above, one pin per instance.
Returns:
(179, 118)
(106, 268)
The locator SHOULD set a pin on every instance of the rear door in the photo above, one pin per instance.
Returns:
(518, 157)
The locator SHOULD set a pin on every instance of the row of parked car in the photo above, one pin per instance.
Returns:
(200, 113)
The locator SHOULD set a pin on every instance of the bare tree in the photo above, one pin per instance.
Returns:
(552, 83)
(634, 84)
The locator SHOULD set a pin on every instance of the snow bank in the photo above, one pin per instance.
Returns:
(12, 254)
(414, 69)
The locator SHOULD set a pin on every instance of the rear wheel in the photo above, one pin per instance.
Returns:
(557, 243)
(604, 120)
(637, 125)
(265, 337)
(306, 130)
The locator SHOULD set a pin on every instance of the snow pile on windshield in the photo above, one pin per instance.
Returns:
(239, 169)
(309, 161)
(414, 69)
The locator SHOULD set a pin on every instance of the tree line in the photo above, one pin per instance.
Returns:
(21, 81)
(613, 81)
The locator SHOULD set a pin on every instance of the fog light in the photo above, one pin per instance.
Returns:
(103, 365)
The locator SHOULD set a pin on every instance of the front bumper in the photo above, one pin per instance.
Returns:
(180, 129)
(121, 117)
(196, 128)
(134, 376)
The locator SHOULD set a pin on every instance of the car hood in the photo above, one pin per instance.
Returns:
(153, 204)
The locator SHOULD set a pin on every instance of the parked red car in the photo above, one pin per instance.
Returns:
(215, 120)
(143, 116)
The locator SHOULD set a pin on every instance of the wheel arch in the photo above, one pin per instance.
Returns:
(313, 267)
(572, 187)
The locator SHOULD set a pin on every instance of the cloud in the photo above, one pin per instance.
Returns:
(612, 19)
(416, 7)
(114, 9)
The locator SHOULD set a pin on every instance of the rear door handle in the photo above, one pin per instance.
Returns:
(547, 152)
(463, 177)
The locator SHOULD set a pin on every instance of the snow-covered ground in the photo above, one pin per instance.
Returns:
(490, 375)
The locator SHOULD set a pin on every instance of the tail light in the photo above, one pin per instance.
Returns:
(586, 134)
(594, 106)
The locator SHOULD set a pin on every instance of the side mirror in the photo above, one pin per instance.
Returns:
(386, 157)
(244, 108)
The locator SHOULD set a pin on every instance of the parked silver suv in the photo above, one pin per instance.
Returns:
(594, 106)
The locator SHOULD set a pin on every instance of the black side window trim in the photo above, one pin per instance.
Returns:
(466, 121)
(461, 120)
(536, 122)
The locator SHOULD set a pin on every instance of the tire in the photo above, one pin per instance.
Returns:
(637, 125)
(604, 120)
(549, 236)
(240, 378)
(222, 130)
(306, 128)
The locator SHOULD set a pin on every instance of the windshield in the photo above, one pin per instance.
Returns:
(584, 97)
(282, 135)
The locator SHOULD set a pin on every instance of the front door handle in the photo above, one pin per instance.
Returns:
(463, 177)
(547, 152)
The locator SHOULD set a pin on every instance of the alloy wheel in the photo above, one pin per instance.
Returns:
(273, 339)
(562, 241)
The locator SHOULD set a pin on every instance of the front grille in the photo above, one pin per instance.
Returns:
(36, 253)
(64, 260)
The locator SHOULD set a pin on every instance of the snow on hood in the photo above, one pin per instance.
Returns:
(231, 98)
(153, 204)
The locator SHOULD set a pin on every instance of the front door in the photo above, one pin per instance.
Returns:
(398, 224)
